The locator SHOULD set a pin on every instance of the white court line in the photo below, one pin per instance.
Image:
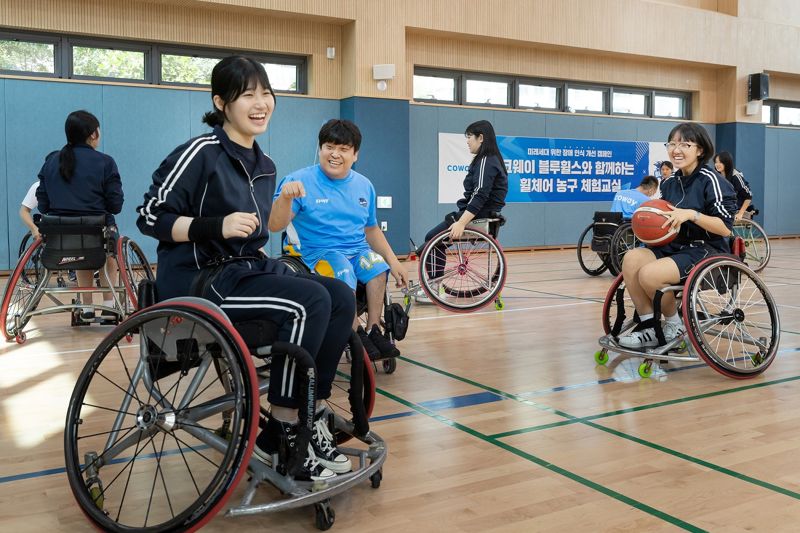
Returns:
(84, 350)
(462, 315)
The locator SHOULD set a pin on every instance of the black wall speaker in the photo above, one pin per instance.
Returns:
(758, 86)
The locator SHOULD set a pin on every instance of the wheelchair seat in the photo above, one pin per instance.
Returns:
(77, 243)
(490, 224)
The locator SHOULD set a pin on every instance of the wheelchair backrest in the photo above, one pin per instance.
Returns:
(77, 243)
(605, 223)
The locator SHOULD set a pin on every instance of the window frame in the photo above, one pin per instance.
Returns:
(533, 82)
(26, 37)
(68, 58)
(649, 98)
(510, 96)
(686, 102)
(776, 106)
(604, 89)
(440, 73)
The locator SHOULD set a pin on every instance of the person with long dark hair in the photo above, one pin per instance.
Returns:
(485, 189)
(208, 207)
(723, 163)
(704, 207)
(80, 180)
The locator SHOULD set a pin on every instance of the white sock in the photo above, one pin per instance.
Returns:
(646, 317)
(674, 319)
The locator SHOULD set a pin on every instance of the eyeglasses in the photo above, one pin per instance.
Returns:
(682, 146)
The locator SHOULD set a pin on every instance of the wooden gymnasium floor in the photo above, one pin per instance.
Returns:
(496, 421)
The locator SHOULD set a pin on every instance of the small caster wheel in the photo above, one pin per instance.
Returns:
(601, 357)
(646, 369)
(97, 497)
(499, 304)
(324, 516)
(376, 478)
(406, 300)
(129, 337)
(390, 365)
(757, 358)
(20, 337)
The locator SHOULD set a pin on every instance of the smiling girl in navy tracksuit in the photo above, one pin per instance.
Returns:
(705, 205)
(208, 207)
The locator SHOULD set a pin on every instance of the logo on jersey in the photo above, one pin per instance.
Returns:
(322, 200)
(362, 202)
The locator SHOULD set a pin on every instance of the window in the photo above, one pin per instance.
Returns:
(108, 63)
(788, 116)
(184, 69)
(592, 100)
(434, 88)
(668, 106)
(487, 92)
(283, 77)
(766, 114)
(629, 103)
(27, 56)
(538, 96)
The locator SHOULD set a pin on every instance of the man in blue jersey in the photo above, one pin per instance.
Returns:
(628, 200)
(331, 209)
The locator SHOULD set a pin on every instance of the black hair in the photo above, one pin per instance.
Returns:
(649, 182)
(727, 161)
(489, 144)
(78, 127)
(229, 79)
(338, 131)
(694, 133)
(667, 164)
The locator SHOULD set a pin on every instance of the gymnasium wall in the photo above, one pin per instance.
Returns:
(139, 127)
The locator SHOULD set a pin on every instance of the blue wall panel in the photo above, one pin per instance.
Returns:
(769, 205)
(5, 242)
(788, 198)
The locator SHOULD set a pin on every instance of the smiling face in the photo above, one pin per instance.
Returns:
(719, 166)
(684, 154)
(665, 172)
(247, 116)
(336, 160)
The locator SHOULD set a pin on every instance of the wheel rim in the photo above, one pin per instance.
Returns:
(732, 320)
(756, 243)
(590, 261)
(134, 268)
(21, 290)
(465, 274)
(160, 469)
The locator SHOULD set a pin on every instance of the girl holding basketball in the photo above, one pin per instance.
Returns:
(704, 205)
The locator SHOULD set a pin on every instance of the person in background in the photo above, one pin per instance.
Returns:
(628, 200)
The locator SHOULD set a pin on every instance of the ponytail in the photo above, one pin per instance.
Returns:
(80, 125)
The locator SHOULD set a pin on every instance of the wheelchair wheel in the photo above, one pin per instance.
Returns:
(31, 276)
(133, 268)
(591, 262)
(756, 243)
(20, 291)
(143, 446)
(622, 241)
(618, 308)
(465, 274)
(731, 318)
(294, 263)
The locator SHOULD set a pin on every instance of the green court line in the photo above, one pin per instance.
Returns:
(546, 464)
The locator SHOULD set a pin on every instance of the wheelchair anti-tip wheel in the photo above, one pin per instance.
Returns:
(133, 268)
(159, 431)
(20, 292)
(463, 274)
(731, 317)
(591, 262)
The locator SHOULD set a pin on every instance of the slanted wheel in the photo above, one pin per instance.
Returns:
(464, 274)
(623, 241)
(140, 448)
(133, 268)
(591, 262)
(617, 307)
(731, 317)
(756, 243)
(18, 297)
(324, 516)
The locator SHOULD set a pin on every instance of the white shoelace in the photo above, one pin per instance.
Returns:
(311, 462)
(323, 436)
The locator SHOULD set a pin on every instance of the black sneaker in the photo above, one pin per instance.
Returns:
(372, 351)
(268, 443)
(322, 443)
(383, 344)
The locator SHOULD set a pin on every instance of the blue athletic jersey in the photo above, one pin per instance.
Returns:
(627, 201)
(334, 212)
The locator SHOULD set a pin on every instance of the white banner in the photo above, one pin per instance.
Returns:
(454, 160)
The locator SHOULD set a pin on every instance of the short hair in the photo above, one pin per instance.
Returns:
(694, 133)
(339, 131)
(649, 182)
(667, 164)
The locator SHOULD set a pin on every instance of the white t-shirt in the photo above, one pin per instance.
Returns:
(30, 198)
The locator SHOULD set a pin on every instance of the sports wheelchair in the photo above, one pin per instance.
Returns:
(729, 316)
(604, 243)
(756, 243)
(464, 274)
(395, 317)
(162, 422)
(80, 243)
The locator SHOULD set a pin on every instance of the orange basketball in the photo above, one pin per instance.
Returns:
(647, 221)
